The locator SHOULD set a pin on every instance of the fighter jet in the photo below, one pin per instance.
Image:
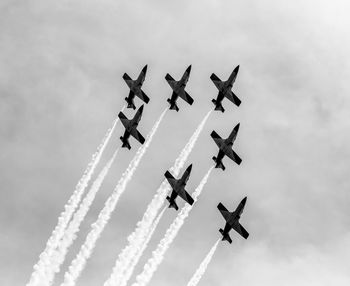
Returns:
(130, 128)
(225, 148)
(232, 221)
(224, 88)
(178, 88)
(178, 187)
(135, 88)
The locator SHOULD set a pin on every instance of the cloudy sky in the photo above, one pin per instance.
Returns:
(61, 64)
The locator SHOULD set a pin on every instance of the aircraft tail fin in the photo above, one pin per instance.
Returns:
(125, 142)
(219, 164)
(173, 105)
(218, 105)
(131, 105)
(225, 236)
(172, 203)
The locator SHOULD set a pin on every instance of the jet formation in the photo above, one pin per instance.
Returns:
(224, 145)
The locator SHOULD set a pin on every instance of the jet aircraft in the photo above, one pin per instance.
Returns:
(232, 221)
(225, 148)
(131, 128)
(178, 186)
(224, 88)
(178, 88)
(135, 88)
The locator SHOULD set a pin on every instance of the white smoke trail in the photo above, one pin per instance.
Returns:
(137, 238)
(39, 274)
(203, 266)
(137, 257)
(157, 256)
(70, 235)
(79, 262)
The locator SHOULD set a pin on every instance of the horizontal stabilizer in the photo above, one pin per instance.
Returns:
(172, 203)
(225, 236)
(125, 142)
(218, 106)
(219, 163)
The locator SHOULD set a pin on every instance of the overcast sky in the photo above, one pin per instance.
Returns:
(61, 86)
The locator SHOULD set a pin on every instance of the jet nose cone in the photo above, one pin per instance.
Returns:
(189, 168)
(189, 68)
(237, 68)
(141, 108)
(244, 200)
(144, 69)
(237, 126)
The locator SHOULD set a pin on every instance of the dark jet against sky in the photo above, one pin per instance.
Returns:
(178, 187)
(224, 88)
(135, 88)
(178, 88)
(130, 128)
(232, 221)
(225, 148)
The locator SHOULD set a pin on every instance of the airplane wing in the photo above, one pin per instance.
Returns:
(224, 212)
(170, 178)
(240, 229)
(123, 119)
(216, 137)
(218, 82)
(142, 96)
(127, 79)
(137, 135)
(186, 196)
(169, 78)
(233, 98)
(233, 156)
(186, 97)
